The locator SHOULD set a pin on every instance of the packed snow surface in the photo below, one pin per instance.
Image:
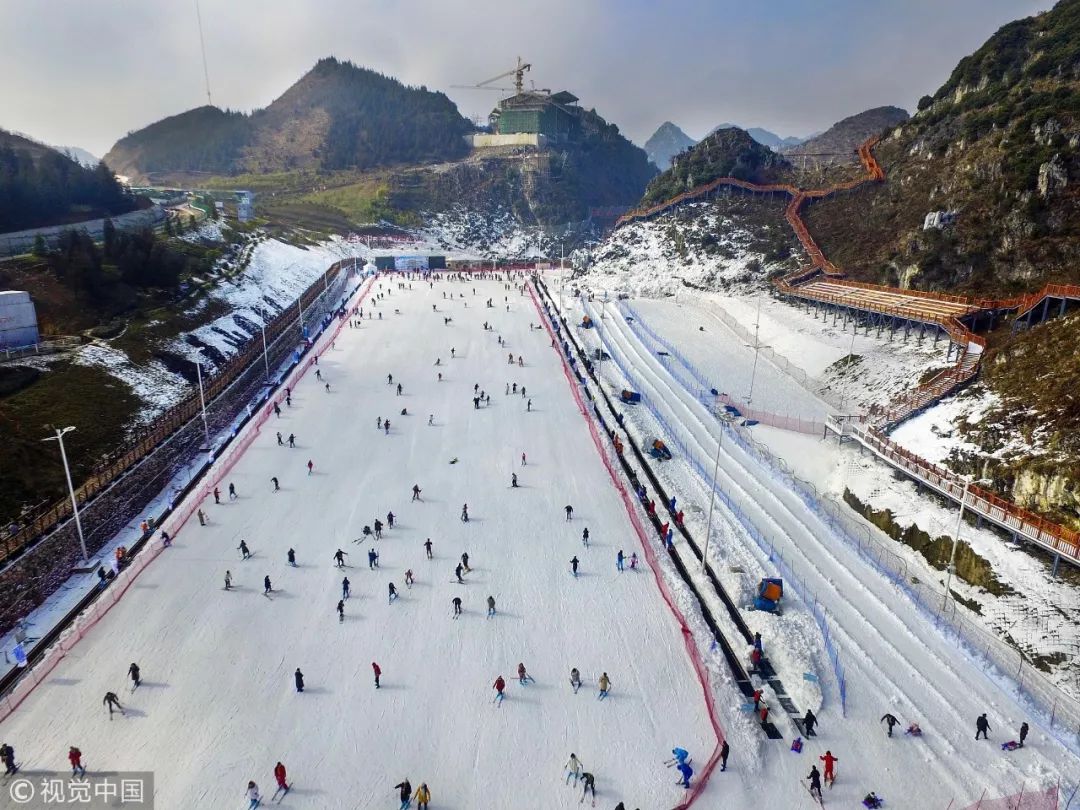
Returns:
(218, 705)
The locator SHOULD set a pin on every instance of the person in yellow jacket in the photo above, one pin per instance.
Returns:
(422, 796)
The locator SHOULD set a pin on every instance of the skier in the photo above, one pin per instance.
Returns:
(232, 492)
(573, 769)
(422, 796)
(523, 676)
(378, 529)
(465, 562)
(457, 573)
(830, 766)
(585, 537)
(465, 513)
(112, 701)
(815, 782)
(890, 721)
(253, 795)
(136, 678)
(393, 594)
(605, 685)
(298, 677)
(589, 781)
(7, 756)
(292, 557)
(341, 611)
(217, 495)
(399, 389)
(633, 561)
(202, 517)
(243, 549)
(75, 758)
(619, 560)
(574, 565)
(292, 440)
(569, 512)
(416, 487)
(318, 374)
(457, 606)
(405, 793)
(513, 480)
(1023, 733)
(378, 422)
(345, 588)
(408, 578)
(279, 777)
(310, 466)
(274, 481)
(427, 548)
(266, 586)
(982, 725)
(228, 580)
(575, 679)
(522, 459)
(389, 379)
(499, 687)
(686, 771)
(386, 428)
(757, 642)
(810, 720)
(339, 558)
(389, 520)
(678, 755)
(725, 749)
(378, 672)
(431, 416)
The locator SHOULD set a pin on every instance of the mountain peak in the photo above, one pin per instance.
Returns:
(664, 144)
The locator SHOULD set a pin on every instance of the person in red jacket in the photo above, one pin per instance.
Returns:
(75, 758)
(500, 685)
(830, 761)
(279, 775)
(377, 671)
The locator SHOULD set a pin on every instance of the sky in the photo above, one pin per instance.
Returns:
(84, 73)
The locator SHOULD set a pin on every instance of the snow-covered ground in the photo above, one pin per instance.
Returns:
(1039, 616)
(275, 277)
(157, 387)
(219, 708)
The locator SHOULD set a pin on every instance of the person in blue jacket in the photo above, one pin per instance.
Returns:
(687, 772)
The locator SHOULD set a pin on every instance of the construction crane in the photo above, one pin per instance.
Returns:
(517, 72)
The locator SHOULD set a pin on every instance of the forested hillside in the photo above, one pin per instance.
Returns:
(39, 186)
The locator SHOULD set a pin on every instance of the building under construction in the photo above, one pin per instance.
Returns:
(530, 117)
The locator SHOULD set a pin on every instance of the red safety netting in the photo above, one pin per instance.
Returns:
(1024, 800)
(650, 558)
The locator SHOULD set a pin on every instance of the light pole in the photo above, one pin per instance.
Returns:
(59, 439)
(724, 420)
(955, 543)
(266, 360)
(202, 402)
(757, 349)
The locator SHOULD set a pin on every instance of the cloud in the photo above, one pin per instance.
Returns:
(86, 73)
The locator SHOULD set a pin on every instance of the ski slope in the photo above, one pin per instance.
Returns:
(218, 706)
(896, 660)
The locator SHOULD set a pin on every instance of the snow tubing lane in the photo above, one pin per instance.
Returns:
(687, 636)
(176, 521)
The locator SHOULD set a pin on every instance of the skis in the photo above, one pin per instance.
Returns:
(277, 799)
(575, 686)
(812, 796)
(499, 698)
(602, 695)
